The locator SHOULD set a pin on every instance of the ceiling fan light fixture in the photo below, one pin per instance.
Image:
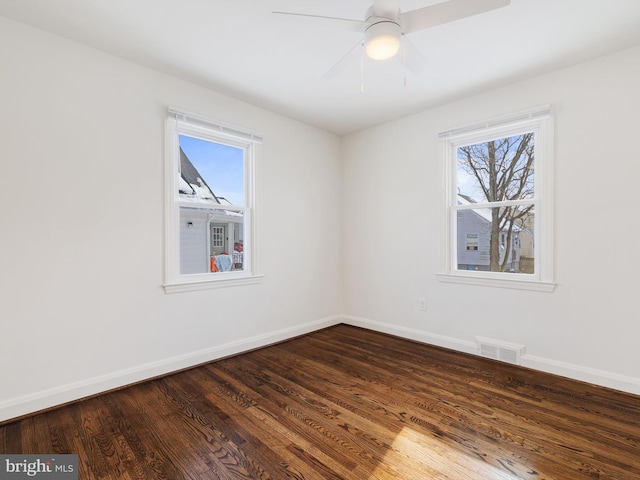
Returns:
(382, 40)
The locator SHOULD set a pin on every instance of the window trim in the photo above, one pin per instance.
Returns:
(179, 122)
(540, 120)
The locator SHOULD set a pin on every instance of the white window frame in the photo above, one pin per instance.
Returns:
(540, 121)
(184, 123)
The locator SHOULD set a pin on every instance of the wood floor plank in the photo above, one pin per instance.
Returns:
(395, 412)
(283, 411)
(349, 417)
(584, 464)
(345, 403)
(274, 444)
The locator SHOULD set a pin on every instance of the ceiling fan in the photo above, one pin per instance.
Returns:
(385, 26)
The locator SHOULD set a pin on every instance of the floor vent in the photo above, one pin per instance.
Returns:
(498, 350)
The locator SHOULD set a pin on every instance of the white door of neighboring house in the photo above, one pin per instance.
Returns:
(218, 236)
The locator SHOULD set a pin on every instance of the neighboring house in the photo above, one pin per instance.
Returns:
(526, 238)
(204, 232)
(474, 237)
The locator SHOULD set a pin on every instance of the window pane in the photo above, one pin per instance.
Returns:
(496, 239)
(211, 172)
(211, 240)
(496, 170)
(209, 218)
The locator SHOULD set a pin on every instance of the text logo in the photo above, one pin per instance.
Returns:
(46, 467)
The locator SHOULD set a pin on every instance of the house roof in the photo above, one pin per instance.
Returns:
(192, 185)
(484, 213)
(194, 188)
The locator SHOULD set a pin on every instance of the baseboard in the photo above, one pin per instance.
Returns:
(575, 372)
(412, 334)
(45, 399)
(584, 374)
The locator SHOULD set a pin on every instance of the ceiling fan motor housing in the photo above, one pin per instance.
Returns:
(382, 38)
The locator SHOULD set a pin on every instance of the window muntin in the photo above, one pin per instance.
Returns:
(499, 220)
(210, 234)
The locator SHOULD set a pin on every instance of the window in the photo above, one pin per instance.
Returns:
(472, 241)
(498, 202)
(210, 228)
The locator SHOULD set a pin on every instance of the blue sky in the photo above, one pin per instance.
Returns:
(221, 166)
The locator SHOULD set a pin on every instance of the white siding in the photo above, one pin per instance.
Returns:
(194, 257)
(469, 222)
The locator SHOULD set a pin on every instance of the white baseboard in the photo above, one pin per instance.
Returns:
(584, 374)
(24, 405)
(575, 372)
(412, 334)
(18, 406)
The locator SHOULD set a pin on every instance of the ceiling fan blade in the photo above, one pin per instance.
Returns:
(351, 22)
(447, 12)
(351, 57)
(413, 59)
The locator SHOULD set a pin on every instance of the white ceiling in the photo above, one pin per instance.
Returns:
(238, 47)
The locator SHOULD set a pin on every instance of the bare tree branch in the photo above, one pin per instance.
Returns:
(503, 169)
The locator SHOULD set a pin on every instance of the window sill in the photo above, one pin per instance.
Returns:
(518, 284)
(196, 285)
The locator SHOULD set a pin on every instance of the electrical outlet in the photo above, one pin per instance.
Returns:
(422, 304)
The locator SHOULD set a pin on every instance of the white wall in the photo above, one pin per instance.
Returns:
(82, 306)
(588, 328)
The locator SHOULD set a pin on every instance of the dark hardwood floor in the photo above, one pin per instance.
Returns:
(345, 403)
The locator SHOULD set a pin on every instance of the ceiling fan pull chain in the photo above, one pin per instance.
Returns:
(404, 60)
(362, 68)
